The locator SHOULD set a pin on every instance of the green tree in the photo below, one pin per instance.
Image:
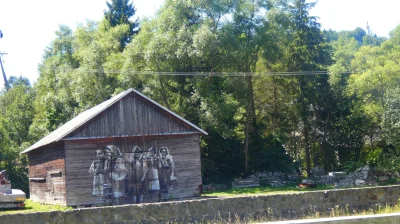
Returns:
(54, 103)
(244, 38)
(16, 107)
(97, 48)
(307, 52)
(391, 118)
(121, 12)
(349, 123)
(16, 116)
(377, 73)
(372, 39)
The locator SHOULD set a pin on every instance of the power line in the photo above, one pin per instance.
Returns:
(233, 74)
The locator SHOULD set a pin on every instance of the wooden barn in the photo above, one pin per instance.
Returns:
(128, 149)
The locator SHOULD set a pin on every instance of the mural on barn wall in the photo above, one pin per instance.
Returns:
(134, 177)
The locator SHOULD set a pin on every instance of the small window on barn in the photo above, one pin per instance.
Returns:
(37, 179)
(54, 175)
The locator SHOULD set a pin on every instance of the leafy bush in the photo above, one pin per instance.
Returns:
(371, 156)
(350, 166)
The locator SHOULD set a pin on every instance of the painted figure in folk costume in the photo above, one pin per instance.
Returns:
(153, 164)
(138, 182)
(167, 170)
(98, 170)
(117, 170)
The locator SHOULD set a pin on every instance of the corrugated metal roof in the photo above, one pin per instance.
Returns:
(87, 115)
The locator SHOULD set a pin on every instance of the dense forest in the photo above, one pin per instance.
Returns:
(273, 90)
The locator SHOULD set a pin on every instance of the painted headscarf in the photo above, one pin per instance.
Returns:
(119, 171)
(164, 148)
(115, 152)
(150, 150)
(137, 149)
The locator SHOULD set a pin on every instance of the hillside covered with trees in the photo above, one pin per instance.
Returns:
(273, 90)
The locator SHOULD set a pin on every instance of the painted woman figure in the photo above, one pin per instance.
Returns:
(167, 170)
(117, 171)
(153, 165)
(138, 175)
(97, 169)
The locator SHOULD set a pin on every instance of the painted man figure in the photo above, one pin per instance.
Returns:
(138, 175)
(97, 169)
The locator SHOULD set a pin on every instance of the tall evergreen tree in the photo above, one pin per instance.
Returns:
(307, 52)
(121, 12)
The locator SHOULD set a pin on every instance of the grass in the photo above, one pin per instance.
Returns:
(31, 206)
(340, 212)
(336, 212)
(265, 191)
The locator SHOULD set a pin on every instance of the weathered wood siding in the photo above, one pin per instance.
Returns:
(185, 150)
(47, 174)
(132, 116)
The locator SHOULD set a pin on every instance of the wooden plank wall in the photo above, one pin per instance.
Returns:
(185, 150)
(132, 116)
(47, 174)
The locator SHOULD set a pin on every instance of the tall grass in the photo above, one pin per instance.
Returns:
(374, 210)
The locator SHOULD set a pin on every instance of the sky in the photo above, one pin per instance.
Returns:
(28, 26)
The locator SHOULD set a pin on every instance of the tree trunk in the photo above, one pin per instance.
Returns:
(246, 141)
(250, 120)
(274, 117)
(296, 154)
(163, 92)
(324, 145)
(307, 144)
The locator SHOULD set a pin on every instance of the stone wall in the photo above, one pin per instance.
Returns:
(391, 218)
(272, 207)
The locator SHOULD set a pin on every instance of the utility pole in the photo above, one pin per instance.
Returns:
(4, 74)
(2, 68)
